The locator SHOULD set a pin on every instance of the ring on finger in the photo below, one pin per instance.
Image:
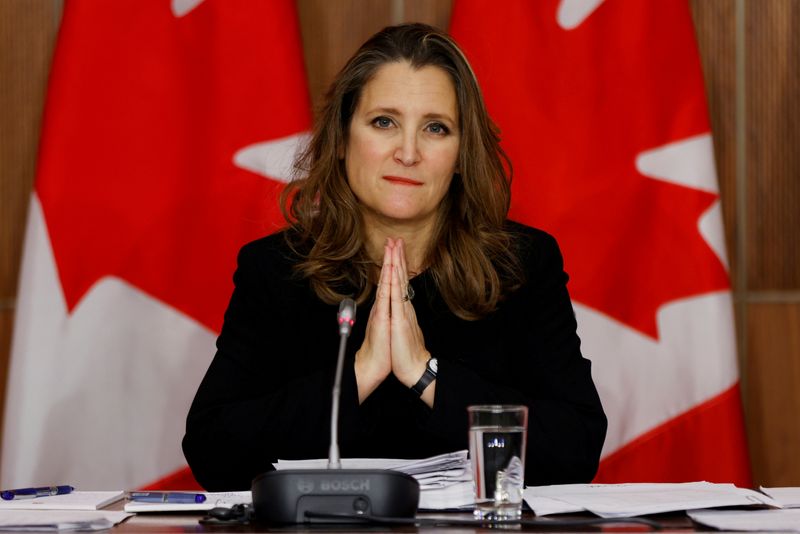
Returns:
(409, 293)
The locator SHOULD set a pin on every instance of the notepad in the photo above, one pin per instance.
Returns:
(59, 520)
(76, 500)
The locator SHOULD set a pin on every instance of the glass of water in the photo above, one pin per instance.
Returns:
(497, 437)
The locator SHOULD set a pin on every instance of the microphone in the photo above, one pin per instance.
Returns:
(346, 318)
(317, 495)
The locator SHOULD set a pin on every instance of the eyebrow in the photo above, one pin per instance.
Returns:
(395, 111)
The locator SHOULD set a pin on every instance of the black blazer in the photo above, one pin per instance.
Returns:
(267, 392)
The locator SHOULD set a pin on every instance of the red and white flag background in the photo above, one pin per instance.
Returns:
(603, 113)
(169, 126)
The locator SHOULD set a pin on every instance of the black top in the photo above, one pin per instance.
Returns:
(267, 393)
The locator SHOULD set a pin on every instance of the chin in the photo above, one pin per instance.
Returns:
(403, 215)
(400, 211)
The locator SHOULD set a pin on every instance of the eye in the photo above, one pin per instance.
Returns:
(438, 128)
(382, 122)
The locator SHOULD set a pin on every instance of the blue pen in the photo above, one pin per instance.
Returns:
(168, 497)
(32, 493)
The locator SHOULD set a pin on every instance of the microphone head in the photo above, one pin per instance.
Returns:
(346, 316)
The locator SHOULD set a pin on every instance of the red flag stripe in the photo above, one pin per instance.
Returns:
(714, 433)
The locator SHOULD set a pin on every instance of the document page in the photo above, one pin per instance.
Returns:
(787, 520)
(788, 497)
(629, 500)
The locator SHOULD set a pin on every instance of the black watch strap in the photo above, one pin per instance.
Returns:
(431, 369)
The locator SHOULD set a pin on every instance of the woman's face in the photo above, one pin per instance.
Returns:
(403, 145)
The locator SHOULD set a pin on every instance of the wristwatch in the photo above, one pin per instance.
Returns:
(427, 377)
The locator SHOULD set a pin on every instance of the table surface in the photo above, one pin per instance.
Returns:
(182, 522)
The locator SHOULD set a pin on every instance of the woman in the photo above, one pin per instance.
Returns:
(403, 207)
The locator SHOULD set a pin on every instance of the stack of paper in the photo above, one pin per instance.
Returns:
(445, 481)
(629, 500)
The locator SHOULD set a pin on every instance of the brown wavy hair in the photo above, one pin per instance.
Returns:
(471, 257)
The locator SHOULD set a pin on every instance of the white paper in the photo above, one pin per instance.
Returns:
(27, 520)
(548, 506)
(76, 500)
(629, 500)
(786, 520)
(435, 464)
(225, 499)
(788, 497)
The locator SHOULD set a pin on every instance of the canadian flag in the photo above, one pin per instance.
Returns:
(168, 128)
(602, 110)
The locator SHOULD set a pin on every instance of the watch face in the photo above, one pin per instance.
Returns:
(433, 365)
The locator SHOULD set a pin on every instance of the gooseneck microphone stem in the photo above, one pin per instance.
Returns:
(346, 318)
(334, 461)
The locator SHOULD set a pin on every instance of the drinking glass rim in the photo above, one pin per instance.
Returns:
(497, 408)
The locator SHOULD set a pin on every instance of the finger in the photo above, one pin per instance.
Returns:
(385, 283)
(386, 266)
(397, 261)
(401, 260)
(371, 314)
(398, 292)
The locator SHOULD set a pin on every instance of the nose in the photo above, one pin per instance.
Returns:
(407, 152)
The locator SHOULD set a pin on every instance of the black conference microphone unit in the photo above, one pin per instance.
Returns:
(308, 495)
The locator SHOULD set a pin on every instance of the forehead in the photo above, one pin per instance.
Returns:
(401, 86)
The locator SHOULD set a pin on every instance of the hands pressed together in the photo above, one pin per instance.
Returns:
(393, 342)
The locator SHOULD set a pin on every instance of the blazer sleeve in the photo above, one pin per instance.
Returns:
(535, 359)
(260, 400)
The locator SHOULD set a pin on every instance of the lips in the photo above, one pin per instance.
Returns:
(399, 180)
